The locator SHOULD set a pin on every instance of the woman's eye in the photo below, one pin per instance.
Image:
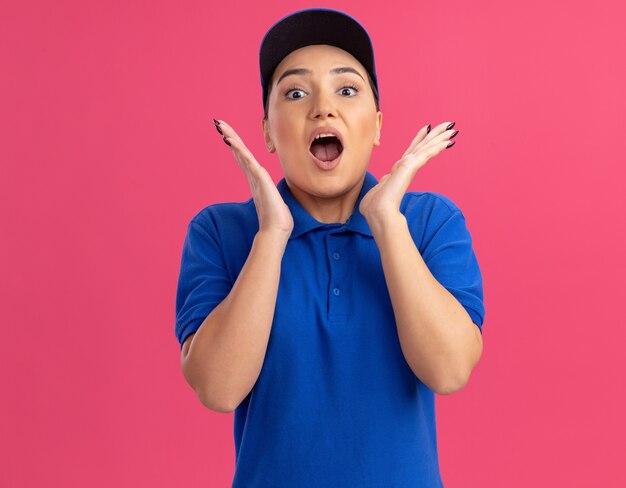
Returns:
(294, 90)
(349, 88)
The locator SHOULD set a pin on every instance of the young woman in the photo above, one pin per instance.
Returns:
(327, 310)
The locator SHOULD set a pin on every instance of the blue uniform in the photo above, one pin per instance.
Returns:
(335, 404)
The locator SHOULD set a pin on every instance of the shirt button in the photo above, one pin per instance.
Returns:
(336, 255)
(336, 291)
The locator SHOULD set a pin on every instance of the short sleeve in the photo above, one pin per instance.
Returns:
(451, 259)
(203, 281)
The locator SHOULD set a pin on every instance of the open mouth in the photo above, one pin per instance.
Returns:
(326, 148)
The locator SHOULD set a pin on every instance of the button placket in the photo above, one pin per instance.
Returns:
(336, 264)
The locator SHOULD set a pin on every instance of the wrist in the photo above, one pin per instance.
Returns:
(386, 222)
(277, 236)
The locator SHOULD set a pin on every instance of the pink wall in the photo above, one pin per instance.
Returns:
(108, 148)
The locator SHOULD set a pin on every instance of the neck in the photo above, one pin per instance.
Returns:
(331, 208)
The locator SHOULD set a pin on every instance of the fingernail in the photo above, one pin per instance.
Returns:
(450, 125)
(226, 140)
(450, 144)
(428, 129)
(217, 126)
(454, 134)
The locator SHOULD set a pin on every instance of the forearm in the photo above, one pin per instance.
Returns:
(228, 350)
(440, 342)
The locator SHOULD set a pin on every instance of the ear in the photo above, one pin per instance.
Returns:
(266, 135)
(379, 124)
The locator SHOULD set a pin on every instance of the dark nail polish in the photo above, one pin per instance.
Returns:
(450, 144)
(226, 140)
(450, 125)
(428, 129)
(217, 126)
(454, 134)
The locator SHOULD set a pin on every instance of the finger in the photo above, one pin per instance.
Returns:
(244, 157)
(421, 135)
(236, 144)
(232, 136)
(443, 136)
(434, 149)
(438, 130)
(425, 138)
(444, 126)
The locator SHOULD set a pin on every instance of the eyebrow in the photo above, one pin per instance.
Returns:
(304, 71)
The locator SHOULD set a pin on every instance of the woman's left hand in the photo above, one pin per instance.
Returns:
(385, 197)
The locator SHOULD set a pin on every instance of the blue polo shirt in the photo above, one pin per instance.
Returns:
(336, 404)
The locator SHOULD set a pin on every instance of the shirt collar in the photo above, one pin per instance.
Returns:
(303, 221)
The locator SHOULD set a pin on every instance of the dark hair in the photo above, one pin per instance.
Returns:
(369, 79)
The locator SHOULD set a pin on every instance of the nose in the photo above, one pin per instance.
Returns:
(323, 105)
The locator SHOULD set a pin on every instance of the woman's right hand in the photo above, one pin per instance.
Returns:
(272, 211)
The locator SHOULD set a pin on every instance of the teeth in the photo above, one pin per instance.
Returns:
(324, 135)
